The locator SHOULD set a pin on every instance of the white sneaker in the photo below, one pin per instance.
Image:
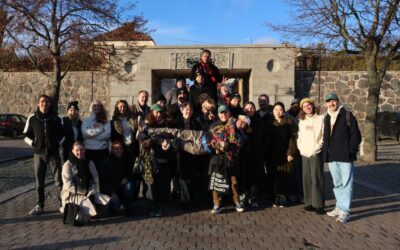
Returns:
(343, 218)
(239, 208)
(37, 210)
(335, 212)
(62, 210)
(216, 210)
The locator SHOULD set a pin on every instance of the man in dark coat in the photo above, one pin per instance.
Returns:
(209, 71)
(43, 131)
(197, 89)
(342, 138)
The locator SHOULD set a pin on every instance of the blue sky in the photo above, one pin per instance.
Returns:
(212, 21)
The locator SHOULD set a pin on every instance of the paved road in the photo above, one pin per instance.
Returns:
(14, 149)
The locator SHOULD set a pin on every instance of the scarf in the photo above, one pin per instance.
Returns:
(83, 171)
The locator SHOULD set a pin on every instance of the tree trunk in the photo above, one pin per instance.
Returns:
(374, 86)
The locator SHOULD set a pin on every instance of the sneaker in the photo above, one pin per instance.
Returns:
(156, 212)
(343, 218)
(216, 210)
(61, 210)
(283, 203)
(37, 210)
(239, 208)
(335, 212)
(277, 202)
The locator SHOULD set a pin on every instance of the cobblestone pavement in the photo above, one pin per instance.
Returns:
(374, 222)
(374, 225)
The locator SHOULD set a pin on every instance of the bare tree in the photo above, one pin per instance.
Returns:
(58, 28)
(369, 28)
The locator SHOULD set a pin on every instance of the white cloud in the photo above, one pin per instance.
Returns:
(162, 28)
(265, 40)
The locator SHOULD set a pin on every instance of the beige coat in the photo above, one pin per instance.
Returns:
(69, 190)
(310, 136)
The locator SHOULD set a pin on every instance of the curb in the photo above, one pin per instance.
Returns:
(15, 158)
(9, 195)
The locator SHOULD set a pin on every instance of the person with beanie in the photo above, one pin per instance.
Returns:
(171, 94)
(72, 125)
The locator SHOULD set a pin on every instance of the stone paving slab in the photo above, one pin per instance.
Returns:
(374, 225)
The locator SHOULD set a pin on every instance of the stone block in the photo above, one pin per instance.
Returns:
(395, 83)
(363, 83)
(344, 78)
(388, 93)
(352, 99)
(356, 77)
(387, 107)
(391, 100)
(388, 77)
(360, 115)
(386, 86)
(360, 107)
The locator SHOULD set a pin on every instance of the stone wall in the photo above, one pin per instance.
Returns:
(19, 91)
(352, 88)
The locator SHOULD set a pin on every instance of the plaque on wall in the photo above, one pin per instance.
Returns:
(187, 60)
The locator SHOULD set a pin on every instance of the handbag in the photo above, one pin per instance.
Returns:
(138, 166)
(70, 212)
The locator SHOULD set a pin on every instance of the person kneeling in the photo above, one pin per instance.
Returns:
(80, 187)
(119, 182)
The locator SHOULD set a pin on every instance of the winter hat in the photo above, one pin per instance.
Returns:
(304, 100)
(73, 104)
(161, 97)
(223, 108)
(236, 96)
(156, 107)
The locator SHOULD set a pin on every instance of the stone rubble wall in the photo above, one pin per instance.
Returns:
(352, 89)
(19, 91)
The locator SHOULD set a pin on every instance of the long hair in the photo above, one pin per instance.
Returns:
(151, 119)
(116, 110)
(101, 117)
(302, 114)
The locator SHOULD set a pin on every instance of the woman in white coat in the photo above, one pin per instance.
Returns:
(79, 178)
(309, 143)
(96, 132)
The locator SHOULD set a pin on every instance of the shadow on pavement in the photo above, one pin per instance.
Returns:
(76, 243)
(367, 202)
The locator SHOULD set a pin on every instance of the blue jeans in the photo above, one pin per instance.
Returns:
(125, 195)
(342, 175)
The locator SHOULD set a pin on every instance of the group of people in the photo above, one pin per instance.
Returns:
(197, 145)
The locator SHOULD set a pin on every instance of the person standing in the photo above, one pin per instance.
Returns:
(96, 131)
(342, 138)
(72, 125)
(140, 108)
(309, 143)
(281, 155)
(43, 131)
(210, 72)
(124, 127)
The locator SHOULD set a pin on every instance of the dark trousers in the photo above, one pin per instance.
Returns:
(313, 181)
(126, 196)
(40, 162)
(98, 157)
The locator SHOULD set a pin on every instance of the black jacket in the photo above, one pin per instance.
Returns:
(113, 171)
(44, 132)
(211, 77)
(342, 142)
(69, 135)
